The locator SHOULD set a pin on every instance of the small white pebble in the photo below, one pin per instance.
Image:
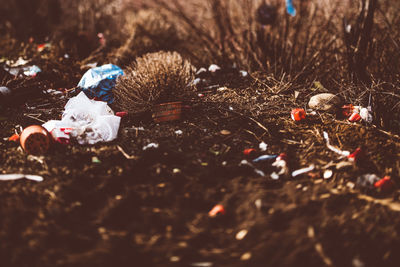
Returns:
(328, 174)
(241, 234)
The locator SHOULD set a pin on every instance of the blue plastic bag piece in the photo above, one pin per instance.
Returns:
(290, 8)
(100, 81)
(264, 158)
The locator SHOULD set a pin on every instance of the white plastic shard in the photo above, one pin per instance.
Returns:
(17, 176)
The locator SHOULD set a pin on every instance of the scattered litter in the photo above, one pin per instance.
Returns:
(281, 165)
(217, 210)
(151, 145)
(257, 171)
(225, 132)
(246, 256)
(347, 110)
(176, 170)
(290, 8)
(121, 114)
(125, 154)
(328, 174)
(367, 180)
(356, 155)
(27, 71)
(264, 158)
(17, 176)
(385, 185)
(42, 47)
(241, 234)
(213, 68)
(303, 170)
(4, 92)
(263, 146)
(324, 102)
(178, 132)
(88, 121)
(243, 73)
(35, 140)
(99, 82)
(298, 114)
(20, 62)
(249, 151)
(14, 138)
(354, 117)
(201, 70)
(366, 114)
(343, 153)
(96, 160)
(196, 81)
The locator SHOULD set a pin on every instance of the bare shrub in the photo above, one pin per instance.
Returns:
(154, 78)
(150, 31)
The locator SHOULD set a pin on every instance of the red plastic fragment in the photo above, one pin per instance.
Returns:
(385, 184)
(14, 138)
(356, 155)
(354, 117)
(249, 151)
(41, 47)
(347, 110)
(218, 209)
(298, 114)
(121, 114)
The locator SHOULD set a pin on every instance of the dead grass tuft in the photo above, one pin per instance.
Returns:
(153, 78)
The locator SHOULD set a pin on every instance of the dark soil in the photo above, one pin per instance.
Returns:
(153, 210)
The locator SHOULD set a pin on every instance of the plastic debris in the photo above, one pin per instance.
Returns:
(27, 71)
(243, 73)
(121, 114)
(366, 114)
(303, 170)
(290, 8)
(298, 114)
(96, 160)
(178, 132)
(257, 171)
(217, 210)
(241, 234)
(249, 151)
(88, 121)
(282, 168)
(385, 185)
(356, 155)
(367, 180)
(99, 82)
(324, 102)
(35, 140)
(328, 174)
(263, 146)
(347, 110)
(343, 153)
(266, 14)
(265, 158)
(354, 117)
(201, 70)
(42, 47)
(214, 68)
(14, 138)
(17, 176)
(151, 145)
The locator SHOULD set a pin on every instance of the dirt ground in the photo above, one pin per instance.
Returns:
(151, 209)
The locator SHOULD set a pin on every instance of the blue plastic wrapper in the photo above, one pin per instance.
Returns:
(290, 8)
(99, 82)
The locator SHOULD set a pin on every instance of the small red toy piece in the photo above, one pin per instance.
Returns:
(385, 184)
(354, 117)
(298, 114)
(249, 151)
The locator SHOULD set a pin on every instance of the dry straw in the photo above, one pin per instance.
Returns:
(154, 78)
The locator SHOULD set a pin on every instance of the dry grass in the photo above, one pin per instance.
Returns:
(154, 78)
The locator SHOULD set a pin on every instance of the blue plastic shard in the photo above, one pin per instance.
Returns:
(290, 8)
(99, 82)
(265, 157)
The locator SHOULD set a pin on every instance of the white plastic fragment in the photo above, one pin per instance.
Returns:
(213, 68)
(366, 114)
(241, 234)
(196, 81)
(263, 146)
(243, 73)
(328, 174)
(281, 165)
(87, 120)
(201, 70)
(151, 145)
(17, 176)
(343, 153)
(303, 170)
(178, 132)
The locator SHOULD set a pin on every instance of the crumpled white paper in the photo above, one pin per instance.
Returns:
(89, 121)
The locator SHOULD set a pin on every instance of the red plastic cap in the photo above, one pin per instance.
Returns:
(354, 117)
(298, 114)
(249, 151)
(218, 209)
(121, 114)
(385, 184)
